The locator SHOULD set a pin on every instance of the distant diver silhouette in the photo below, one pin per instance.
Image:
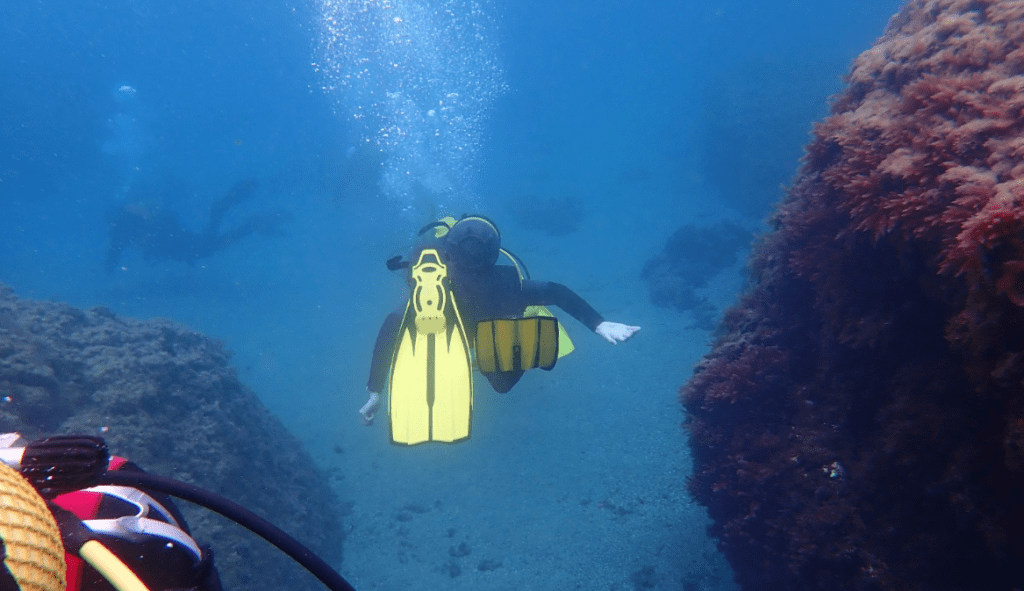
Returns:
(158, 234)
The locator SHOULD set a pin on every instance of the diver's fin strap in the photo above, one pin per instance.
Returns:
(517, 345)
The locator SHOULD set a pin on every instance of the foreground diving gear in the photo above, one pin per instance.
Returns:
(30, 543)
(162, 526)
(517, 345)
(431, 391)
(56, 464)
(78, 540)
(240, 515)
(21, 501)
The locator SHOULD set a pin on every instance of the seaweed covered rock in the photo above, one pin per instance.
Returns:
(167, 398)
(858, 425)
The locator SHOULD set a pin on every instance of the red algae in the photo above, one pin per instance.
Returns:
(858, 424)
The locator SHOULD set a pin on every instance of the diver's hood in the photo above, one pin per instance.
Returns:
(473, 243)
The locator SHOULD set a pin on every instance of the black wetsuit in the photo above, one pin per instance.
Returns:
(494, 293)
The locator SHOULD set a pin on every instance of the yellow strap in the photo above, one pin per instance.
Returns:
(111, 567)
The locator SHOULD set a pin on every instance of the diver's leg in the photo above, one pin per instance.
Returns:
(237, 194)
(232, 236)
(380, 364)
(266, 224)
(383, 350)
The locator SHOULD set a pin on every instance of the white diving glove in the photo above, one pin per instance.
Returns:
(615, 332)
(369, 409)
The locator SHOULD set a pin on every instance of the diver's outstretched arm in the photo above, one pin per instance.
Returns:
(549, 292)
(615, 332)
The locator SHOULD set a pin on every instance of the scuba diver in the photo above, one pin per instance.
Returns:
(456, 284)
(159, 235)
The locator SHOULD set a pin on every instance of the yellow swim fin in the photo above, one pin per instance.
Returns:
(565, 345)
(517, 344)
(431, 392)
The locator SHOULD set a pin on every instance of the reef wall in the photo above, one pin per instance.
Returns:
(166, 398)
(859, 424)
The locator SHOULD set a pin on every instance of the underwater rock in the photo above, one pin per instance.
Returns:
(858, 423)
(451, 568)
(692, 257)
(459, 551)
(488, 565)
(166, 398)
(644, 578)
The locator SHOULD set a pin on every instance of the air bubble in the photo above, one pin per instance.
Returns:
(400, 64)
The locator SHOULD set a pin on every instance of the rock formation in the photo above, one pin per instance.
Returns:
(166, 398)
(860, 423)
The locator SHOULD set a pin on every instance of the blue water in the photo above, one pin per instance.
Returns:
(590, 130)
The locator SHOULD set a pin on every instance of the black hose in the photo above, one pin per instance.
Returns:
(237, 513)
